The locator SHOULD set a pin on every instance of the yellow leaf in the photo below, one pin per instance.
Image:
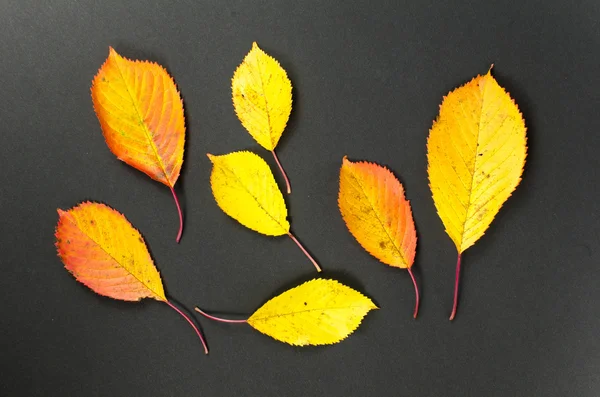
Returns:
(318, 312)
(476, 152)
(262, 98)
(245, 189)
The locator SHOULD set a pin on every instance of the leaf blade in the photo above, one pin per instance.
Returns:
(141, 115)
(106, 253)
(318, 312)
(476, 153)
(262, 97)
(376, 212)
(245, 189)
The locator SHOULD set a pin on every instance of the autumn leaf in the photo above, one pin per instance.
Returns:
(318, 312)
(377, 214)
(476, 152)
(245, 189)
(106, 253)
(262, 98)
(141, 115)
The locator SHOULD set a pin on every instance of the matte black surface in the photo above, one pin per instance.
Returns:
(368, 79)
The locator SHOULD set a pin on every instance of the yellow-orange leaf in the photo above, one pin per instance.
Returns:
(106, 253)
(476, 152)
(378, 215)
(318, 312)
(262, 98)
(141, 115)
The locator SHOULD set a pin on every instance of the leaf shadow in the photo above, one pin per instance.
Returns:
(191, 316)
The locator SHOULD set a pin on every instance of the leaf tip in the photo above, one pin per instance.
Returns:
(112, 52)
(255, 46)
(210, 157)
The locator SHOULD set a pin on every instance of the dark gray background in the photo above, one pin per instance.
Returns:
(368, 79)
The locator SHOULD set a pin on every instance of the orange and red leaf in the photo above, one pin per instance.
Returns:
(376, 212)
(104, 252)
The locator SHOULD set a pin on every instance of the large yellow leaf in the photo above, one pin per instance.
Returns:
(141, 115)
(106, 253)
(378, 215)
(318, 312)
(245, 189)
(262, 98)
(476, 152)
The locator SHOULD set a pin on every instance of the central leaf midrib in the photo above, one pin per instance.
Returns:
(262, 87)
(147, 133)
(255, 198)
(308, 311)
(379, 219)
(462, 233)
(114, 259)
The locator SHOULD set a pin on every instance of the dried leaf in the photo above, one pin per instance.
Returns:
(377, 214)
(318, 312)
(141, 114)
(476, 152)
(245, 189)
(107, 254)
(262, 98)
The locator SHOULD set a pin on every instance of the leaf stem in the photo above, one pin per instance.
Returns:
(287, 181)
(456, 282)
(416, 292)
(180, 215)
(222, 320)
(191, 323)
(305, 251)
